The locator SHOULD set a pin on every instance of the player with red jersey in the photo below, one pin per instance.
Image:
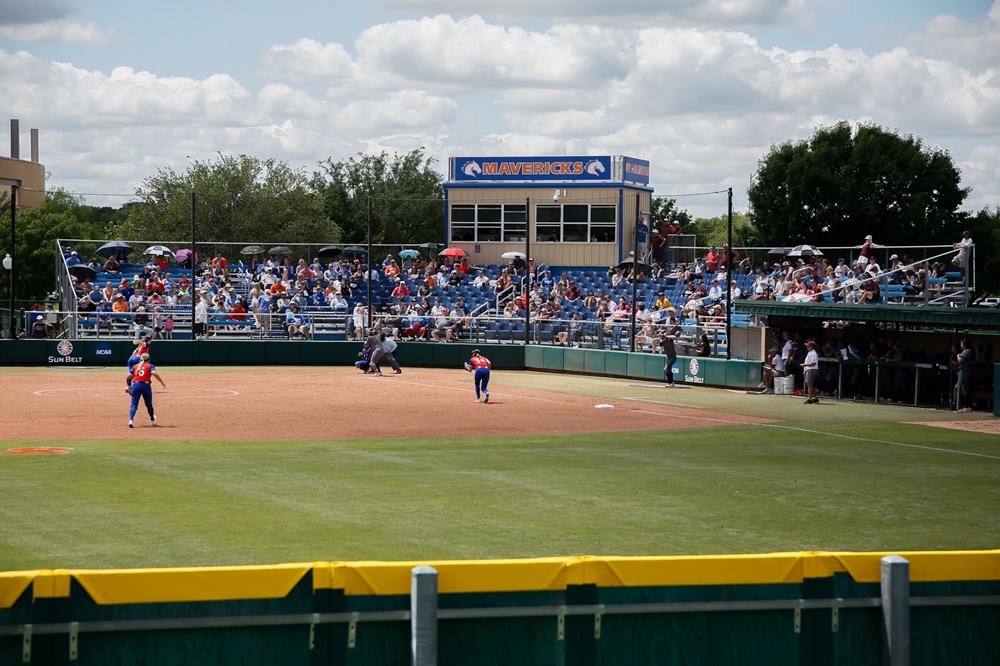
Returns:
(141, 347)
(480, 366)
(142, 378)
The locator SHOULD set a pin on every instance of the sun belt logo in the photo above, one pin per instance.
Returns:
(594, 168)
(693, 367)
(472, 169)
(64, 349)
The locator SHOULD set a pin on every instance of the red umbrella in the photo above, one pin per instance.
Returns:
(453, 252)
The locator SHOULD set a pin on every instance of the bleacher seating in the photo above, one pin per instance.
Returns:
(487, 306)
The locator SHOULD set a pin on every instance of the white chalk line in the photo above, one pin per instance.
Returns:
(199, 394)
(660, 402)
(879, 441)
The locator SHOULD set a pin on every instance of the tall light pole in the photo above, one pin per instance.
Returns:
(8, 265)
(8, 261)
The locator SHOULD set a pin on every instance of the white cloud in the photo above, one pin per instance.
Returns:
(638, 12)
(57, 31)
(279, 99)
(309, 60)
(981, 168)
(471, 53)
(398, 111)
(974, 44)
(36, 11)
(60, 94)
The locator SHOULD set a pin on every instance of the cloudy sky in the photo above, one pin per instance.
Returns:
(700, 88)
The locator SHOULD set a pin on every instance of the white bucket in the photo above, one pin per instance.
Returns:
(784, 385)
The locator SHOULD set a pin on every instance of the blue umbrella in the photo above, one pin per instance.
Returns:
(159, 251)
(409, 254)
(354, 249)
(113, 247)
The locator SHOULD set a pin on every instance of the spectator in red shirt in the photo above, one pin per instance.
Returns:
(572, 292)
(239, 312)
(401, 290)
(658, 242)
(729, 257)
(154, 286)
(712, 260)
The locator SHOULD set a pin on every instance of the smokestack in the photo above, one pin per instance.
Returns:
(15, 138)
(34, 146)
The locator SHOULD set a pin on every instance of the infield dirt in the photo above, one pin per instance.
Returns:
(324, 403)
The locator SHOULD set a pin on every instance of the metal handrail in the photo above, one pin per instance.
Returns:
(224, 622)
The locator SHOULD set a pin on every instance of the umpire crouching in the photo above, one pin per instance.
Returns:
(383, 353)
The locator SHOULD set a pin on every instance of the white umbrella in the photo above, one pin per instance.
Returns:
(159, 251)
(805, 251)
(512, 255)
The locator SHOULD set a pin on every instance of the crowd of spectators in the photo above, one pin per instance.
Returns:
(280, 293)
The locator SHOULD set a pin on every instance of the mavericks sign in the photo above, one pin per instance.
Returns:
(532, 168)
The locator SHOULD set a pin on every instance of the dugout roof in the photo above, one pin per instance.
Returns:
(916, 315)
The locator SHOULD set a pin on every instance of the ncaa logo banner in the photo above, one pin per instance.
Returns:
(532, 168)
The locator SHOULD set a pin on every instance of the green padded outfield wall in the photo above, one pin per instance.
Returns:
(711, 610)
(635, 365)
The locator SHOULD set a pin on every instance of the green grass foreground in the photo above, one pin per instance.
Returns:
(876, 486)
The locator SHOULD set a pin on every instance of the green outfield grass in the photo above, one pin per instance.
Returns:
(834, 477)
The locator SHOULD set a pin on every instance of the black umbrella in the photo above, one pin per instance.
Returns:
(782, 251)
(253, 249)
(429, 246)
(113, 248)
(805, 251)
(329, 251)
(82, 272)
(354, 249)
(632, 263)
(280, 249)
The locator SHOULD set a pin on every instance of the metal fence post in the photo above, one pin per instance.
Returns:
(423, 615)
(895, 611)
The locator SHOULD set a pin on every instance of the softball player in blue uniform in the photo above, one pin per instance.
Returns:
(480, 366)
(141, 347)
(142, 377)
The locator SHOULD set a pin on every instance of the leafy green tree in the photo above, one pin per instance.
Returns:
(239, 199)
(61, 215)
(666, 211)
(715, 231)
(843, 184)
(405, 191)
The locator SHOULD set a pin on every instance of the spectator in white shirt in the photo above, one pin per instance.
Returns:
(715, 291)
